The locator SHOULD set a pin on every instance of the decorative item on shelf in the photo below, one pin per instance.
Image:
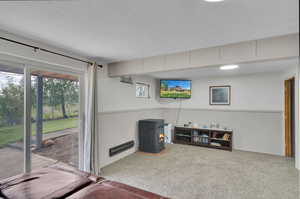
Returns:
(195, 136)
(196, 139)
(215, 125)
(214, 135)
(215, 144)
(226, 136)
(195, 133)
(188, 124)
(195, 125)
(204, 139)
(168, 133)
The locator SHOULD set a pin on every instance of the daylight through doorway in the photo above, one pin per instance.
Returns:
(54, 113)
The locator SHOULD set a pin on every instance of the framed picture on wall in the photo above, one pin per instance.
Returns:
(219, 95)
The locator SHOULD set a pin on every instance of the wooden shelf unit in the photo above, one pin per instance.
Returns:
(203, 137)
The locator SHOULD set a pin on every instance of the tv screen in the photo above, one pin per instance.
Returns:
(175, 88)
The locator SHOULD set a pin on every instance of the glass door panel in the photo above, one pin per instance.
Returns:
(11, 120)
(55, 118)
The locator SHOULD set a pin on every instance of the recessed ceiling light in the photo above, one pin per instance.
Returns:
(213, 0)
(229, 67)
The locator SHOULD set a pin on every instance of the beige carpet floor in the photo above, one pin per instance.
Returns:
(190, 172)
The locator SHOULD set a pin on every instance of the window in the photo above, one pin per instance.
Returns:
(142, 90)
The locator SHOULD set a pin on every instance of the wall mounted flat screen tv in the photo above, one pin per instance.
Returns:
(175, 88)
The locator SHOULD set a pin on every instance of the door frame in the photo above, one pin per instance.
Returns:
(289, 116)
(81, 79)
(26, 103)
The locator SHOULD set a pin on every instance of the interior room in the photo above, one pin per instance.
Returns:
(108, 99)
(255, 116)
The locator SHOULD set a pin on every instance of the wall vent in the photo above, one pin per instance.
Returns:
(120, 148)
(126, 80)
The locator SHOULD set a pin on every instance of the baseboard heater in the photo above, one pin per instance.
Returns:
(120, 148)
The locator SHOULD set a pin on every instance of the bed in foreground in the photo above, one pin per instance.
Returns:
(60, 181)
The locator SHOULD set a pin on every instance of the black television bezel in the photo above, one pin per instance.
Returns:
(175, 97)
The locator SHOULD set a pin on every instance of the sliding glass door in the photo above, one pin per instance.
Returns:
(11, 120)
(55, 118)
(40, 118)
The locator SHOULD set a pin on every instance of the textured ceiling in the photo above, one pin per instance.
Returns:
(126, 29)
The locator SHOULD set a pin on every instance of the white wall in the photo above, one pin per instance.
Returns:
(258, 92)
(119, 111)
(117, 96)
(255, 113)
(255, 131)
(119, 127)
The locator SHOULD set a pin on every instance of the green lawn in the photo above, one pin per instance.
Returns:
(15, 133)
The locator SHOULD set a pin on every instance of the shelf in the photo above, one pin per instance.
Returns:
(219, 139)
(204, 129)
(182, 142)
(221, 147)
(200, 144)
(181, 133)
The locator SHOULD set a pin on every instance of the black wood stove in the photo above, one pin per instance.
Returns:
(151, 135)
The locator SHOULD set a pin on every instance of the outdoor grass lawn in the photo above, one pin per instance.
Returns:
(15, 133)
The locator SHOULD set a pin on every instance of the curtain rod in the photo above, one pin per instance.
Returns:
(48, 51)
